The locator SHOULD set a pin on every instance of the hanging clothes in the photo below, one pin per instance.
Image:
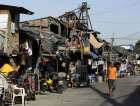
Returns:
(86, 44)
(28, 48)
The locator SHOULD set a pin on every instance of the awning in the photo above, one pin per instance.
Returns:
(31, 32)
(49, 40)
(93, 41)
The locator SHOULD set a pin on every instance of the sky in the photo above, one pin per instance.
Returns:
(113, 18)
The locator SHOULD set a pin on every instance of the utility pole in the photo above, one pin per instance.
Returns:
(110, 52)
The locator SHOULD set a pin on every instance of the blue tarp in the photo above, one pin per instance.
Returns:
(95, 56)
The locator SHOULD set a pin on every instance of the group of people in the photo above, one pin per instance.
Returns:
(125, 68)
(111, 72)
(96, 70)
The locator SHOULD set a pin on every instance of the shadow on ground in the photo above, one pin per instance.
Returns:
(132, 99)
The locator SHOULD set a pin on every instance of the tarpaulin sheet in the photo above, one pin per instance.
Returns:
(93, 41)
(51, 41)
(94, 56)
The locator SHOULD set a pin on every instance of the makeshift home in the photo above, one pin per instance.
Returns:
(9, 26)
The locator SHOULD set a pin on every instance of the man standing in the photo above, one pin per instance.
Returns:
(111, 75)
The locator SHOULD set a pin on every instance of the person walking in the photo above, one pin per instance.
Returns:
(111, 76)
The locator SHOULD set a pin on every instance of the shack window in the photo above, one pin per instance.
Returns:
(54, 28)
(3, 22)
(14, 23)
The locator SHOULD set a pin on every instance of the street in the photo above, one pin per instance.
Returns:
(69, 43)
(127, 94)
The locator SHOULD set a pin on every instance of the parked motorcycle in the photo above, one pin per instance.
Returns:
(55, 85)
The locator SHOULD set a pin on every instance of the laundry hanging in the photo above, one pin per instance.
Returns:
(86, 45)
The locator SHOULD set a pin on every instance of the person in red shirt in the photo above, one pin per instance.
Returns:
(111, 76)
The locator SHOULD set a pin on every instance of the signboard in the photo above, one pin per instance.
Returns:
(3, 21)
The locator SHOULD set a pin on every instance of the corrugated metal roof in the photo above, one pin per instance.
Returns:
(49, 40)
(15, 9)
(30, 32)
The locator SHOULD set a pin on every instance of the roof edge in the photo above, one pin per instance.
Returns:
(16, 8)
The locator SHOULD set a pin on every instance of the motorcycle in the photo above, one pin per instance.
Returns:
(58, 85)
(55, 85)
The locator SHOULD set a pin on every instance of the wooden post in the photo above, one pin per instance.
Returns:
(57, 65)
(5, 32)
(59, 29)
(110, 52)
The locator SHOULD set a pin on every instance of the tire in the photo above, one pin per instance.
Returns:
(59, 89)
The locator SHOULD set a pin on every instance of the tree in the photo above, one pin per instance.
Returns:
(137, 47)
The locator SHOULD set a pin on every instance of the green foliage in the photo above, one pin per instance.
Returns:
(137, 47)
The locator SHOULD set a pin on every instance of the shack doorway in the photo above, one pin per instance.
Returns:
(75, 55)
(54, 28)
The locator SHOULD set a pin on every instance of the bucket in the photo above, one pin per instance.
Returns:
(100, 79)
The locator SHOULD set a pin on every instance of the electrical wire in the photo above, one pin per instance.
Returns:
(126, 37)
(109, 22)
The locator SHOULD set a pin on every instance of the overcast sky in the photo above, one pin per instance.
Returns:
(120, 17)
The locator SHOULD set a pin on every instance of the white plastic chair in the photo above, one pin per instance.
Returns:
(20, 93)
